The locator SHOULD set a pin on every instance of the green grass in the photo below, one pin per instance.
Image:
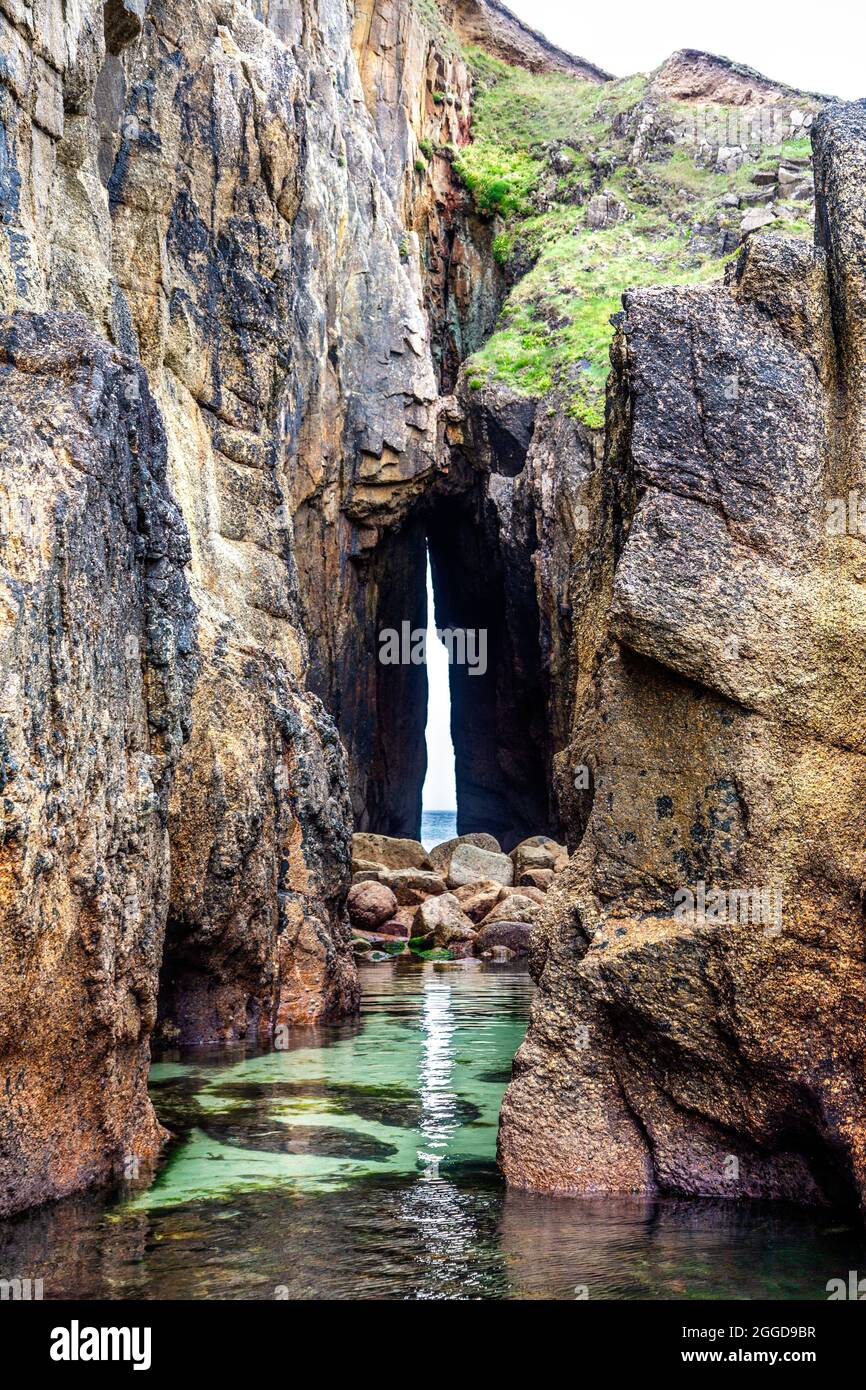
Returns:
(554, 333)
(499, 180)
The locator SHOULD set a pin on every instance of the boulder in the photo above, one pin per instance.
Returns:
(444, 917)
(462, 950)
(562, 161)
(477, 899)
(531, 857)
(757, 196)
(729, 158)
(514, 936)
(790, 173)
(394, 927)
(470, 864)
(605, 210)
(388, 852)
(365, 866)
(529, 891)
(517, 907)
(382, 940)
(370, 904)
(536, 878)
(412, 886)
(538, 852)
(757, 218)
(800, 192)
(440, 855)
(405, 916)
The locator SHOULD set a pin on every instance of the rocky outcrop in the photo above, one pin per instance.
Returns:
(692, 75)
(496, 29)
(97, 662)
(208, 193)
(701, 963)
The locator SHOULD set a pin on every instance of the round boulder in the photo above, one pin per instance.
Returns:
(513, 935)
(370, 904)
(445, 918)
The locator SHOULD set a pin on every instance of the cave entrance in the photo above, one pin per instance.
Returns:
(486, 600)
(456, 555)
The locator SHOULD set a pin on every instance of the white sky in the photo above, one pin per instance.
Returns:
(439, 788)
(818, 48)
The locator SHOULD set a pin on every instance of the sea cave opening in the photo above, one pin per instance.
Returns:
(439, 796)
(462, 560)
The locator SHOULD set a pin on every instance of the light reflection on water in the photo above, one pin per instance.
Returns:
(360, 1164)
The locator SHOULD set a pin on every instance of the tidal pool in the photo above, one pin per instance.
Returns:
(360, 1163)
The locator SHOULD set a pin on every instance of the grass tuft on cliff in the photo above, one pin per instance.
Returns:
(543, 146)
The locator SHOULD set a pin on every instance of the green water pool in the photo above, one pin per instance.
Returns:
(360, 1164)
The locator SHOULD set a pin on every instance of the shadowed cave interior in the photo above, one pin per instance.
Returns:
(498, 714)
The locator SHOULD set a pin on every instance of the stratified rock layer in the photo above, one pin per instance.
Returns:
(718, 740)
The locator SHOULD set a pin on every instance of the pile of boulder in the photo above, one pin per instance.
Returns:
(790, 182)
(464, 897)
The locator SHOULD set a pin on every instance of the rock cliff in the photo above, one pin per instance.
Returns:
(717, 1047)
(98, 639)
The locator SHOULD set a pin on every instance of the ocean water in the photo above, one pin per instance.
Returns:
(437, 826)
(360, 1164)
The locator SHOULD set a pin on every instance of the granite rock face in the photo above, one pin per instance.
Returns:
(698, 1027)
(97, 663)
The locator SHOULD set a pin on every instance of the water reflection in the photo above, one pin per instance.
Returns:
(640, 1248)
(438, 1100)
